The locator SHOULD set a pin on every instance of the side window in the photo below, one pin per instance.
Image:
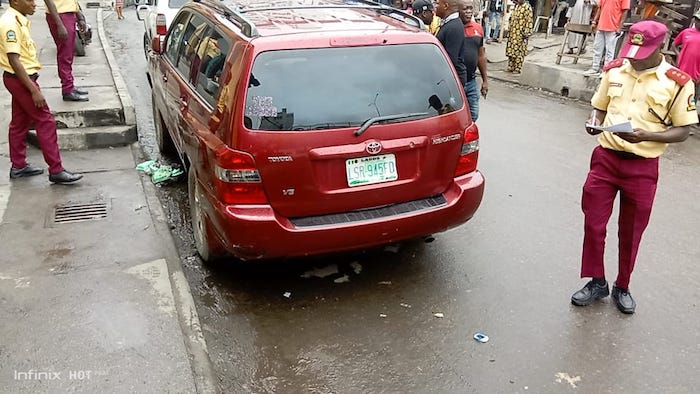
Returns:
(212, 54)
(188, 62)
(174, 38)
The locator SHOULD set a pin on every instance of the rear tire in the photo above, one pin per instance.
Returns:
(163, 138)
(204, 241)
(146, 45)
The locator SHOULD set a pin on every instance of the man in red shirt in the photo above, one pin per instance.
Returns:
(608, 24)
(475, 56)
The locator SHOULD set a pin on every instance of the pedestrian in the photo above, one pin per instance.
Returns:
(119, 6)
(475, 56)
(451, 35)
(658, 100)
(519, 30)
(20, 65)
(425, 10)
(69, 14)
(493, 25)
(688, 41)
(608, 25)
(579, 14)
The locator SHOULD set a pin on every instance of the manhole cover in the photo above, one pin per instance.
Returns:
(79, 212)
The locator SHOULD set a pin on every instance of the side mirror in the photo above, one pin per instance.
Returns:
(141, 12)
(157, 44)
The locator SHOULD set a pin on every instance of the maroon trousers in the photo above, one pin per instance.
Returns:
(64, 49)
(23, 113)
(635, 179)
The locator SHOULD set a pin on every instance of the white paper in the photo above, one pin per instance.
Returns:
(625, 127)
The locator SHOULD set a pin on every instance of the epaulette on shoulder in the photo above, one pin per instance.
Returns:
(614, 64)
(677, 75)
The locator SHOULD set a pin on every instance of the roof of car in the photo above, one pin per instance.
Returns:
(273, 17)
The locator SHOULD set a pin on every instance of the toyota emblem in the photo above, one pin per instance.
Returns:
(374, 147)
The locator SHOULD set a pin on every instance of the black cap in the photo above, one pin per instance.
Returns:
(422, 5)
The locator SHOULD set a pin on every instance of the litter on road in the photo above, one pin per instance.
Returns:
(321, 272)
(357, 267)
(159, 172)
(481, 337)
(287, 294)
(439, 315)
(342, 279)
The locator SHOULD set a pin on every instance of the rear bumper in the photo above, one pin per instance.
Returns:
(252, 232)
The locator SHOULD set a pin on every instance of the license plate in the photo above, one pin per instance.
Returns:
(372, 169)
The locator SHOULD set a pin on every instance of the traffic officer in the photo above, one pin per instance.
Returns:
(20, 65)
(658, 100)
(69, 15)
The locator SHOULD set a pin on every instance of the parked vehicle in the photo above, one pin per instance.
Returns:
(309, 128)
(156, 16)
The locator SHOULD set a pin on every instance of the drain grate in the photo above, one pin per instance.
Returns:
(73, 213)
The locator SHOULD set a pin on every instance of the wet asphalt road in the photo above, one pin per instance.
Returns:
(300, 326)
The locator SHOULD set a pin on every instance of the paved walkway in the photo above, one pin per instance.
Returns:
(92, 296)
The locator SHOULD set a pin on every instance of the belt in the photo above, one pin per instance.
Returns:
(33, 77)
(625, 155)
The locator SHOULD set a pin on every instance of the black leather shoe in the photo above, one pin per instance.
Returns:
(589, 293)
(64, 177)
(623, 299)
(26, 171)
(80, 91)
(73, 96)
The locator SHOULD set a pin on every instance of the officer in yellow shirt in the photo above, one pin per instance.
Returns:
(69, 14)
(425, 10)
(20, 67)
(658, 101)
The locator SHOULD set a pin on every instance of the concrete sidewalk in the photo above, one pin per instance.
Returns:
(108, 119)
(92, 295)
(540, 70)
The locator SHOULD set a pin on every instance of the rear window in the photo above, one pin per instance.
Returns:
(313, 89)
(176, 3)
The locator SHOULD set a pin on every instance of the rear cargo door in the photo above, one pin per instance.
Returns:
(337, 138)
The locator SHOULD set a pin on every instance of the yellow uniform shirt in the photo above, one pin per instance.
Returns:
(435, 25)
(628, 95)
(15, 37)
(66, 6)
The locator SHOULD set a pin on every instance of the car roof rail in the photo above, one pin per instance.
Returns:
(231, 10)
(233, 14)
(407, 18)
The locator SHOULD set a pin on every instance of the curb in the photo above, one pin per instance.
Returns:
(193, 337)
(122, 91)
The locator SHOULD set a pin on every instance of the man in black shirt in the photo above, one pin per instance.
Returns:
(451, 35)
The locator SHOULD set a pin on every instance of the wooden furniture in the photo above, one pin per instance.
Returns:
(571, 28)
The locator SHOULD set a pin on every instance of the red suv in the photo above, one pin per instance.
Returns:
(310, 127)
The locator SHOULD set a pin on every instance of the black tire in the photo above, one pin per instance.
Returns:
(201, 231)
(146, 45)
(79, 47)
(163, 139)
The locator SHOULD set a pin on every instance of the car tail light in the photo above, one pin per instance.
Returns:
(161, 29)
(236, 178)
(469, 155)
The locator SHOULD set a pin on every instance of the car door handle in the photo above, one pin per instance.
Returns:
(183, 102)
(165, 78)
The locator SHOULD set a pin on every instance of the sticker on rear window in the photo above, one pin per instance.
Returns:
(261, 106)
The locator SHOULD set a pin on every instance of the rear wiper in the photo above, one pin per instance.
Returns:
(321, 126)
(376, 119)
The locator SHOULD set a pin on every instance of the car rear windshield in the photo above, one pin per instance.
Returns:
(314, 89)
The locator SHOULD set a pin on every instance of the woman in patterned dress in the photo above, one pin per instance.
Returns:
(519, 30)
